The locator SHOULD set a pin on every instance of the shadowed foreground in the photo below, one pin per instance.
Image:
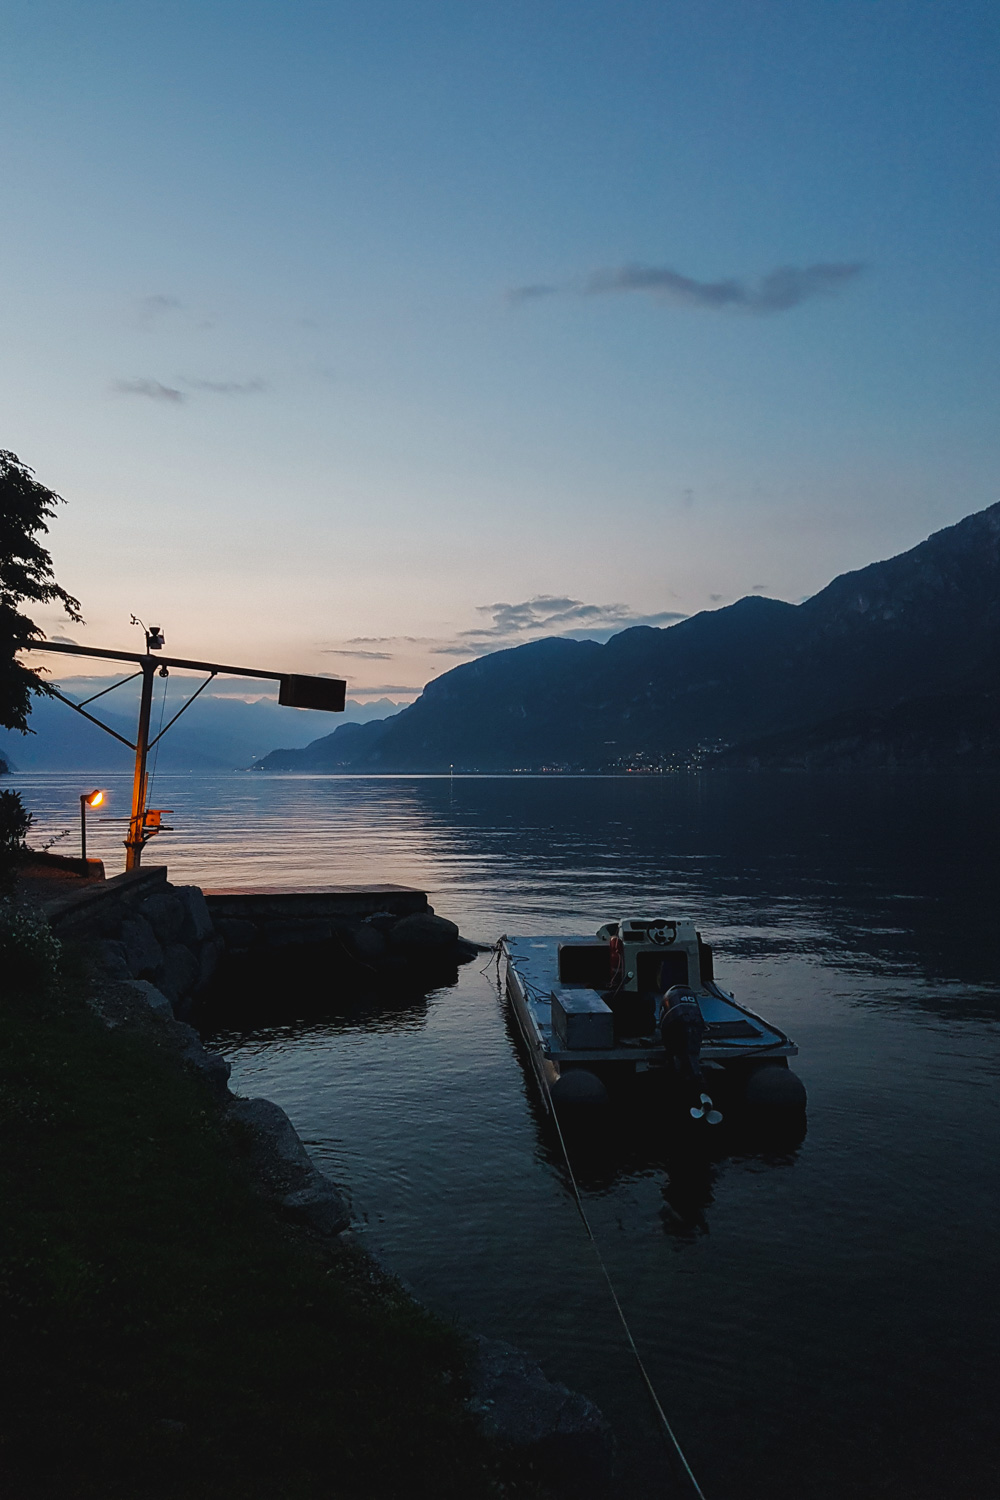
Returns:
(168, 1335)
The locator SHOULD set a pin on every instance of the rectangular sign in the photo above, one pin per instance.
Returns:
(326, 693)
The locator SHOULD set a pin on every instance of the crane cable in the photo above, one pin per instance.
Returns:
(156, 744)
(650, 1388)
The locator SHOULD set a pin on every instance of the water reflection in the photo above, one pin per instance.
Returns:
(802, 1300)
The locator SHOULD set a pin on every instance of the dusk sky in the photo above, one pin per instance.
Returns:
(363, 338)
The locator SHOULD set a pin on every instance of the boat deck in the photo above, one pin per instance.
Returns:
(732, 1032)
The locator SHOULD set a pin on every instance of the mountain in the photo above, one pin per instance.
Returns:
(217, 733)
(921, 626)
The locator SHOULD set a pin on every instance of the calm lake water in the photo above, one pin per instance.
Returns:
(820, 1321)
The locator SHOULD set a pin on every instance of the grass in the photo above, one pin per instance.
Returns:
(166, 1334)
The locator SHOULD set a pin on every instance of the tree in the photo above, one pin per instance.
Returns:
(25, 577)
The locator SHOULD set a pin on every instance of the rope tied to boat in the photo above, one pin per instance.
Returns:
(673, 1441)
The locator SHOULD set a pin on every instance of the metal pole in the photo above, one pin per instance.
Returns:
(134, 842)
(83, 826)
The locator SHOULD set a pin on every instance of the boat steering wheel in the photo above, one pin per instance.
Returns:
(664, 934)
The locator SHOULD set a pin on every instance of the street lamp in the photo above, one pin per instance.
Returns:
(87, 799)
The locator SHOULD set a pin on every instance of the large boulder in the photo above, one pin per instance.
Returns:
(567, 1438)
(370, 944)
(197, 917)
(422, 934)
(143, 953)
(179, 975)
(165, 915)
(283, 1168)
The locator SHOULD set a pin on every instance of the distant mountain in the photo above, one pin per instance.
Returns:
(923, 625)
(937, 732)
(216, 733)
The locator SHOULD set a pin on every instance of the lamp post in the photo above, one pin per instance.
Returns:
(87, 799)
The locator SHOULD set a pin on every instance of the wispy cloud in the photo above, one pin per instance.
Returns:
(506, 625)
(778, 291)
(360, 655)
(154, 389)
(227, 387)
(519, 294)
(158, 303)
(545, 615)
(390, 640)
(157, 391)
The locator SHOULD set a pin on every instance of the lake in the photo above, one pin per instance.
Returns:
(819, 1320)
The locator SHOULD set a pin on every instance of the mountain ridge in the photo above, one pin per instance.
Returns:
(924, 623)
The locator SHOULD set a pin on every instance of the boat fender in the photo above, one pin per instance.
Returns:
(578, 1086)
(774, 1087)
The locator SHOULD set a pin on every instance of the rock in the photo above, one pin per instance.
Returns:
(143, 953)
(322, 1207)
(209, 954)
(382, 921)
(213, 1068)
(197, 917)
(275, 1143)
(109, 957)
(370, 944)
(165, 915)
(151, 996)
(178, 975)
(424, 933)
(563, 1433)
(284, 1169)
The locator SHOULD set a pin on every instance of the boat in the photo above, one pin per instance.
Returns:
(586, 1010)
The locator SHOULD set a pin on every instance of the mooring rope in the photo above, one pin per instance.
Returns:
(650, 1388)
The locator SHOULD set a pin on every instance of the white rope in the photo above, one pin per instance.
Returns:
(650, 1388)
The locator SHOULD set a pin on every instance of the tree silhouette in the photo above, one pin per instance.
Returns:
(25, 577)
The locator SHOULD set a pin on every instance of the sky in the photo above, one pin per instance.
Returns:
(366, 337)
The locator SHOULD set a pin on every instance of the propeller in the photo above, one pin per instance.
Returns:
(706, 1111)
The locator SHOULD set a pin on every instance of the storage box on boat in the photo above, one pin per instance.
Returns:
(580, 1019)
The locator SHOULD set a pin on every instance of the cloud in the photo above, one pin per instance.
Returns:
(361, 655)
(157, 304)
(390, 640)
(382, 688)
(759, 588)
(547, 615)
(520, 294)
(227, 387)
(777, 291)
(154, 389)
(63, 640)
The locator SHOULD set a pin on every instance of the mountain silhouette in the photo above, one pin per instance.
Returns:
(900, 655)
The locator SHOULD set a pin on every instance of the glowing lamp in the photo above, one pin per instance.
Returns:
(87, 799)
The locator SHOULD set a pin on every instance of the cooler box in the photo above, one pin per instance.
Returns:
(580, 1019)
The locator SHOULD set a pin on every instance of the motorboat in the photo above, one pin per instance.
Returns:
(587, 1010)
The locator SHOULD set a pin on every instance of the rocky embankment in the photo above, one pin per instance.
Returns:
(151, 948)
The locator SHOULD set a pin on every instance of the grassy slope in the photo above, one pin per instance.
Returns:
(168, 1336)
